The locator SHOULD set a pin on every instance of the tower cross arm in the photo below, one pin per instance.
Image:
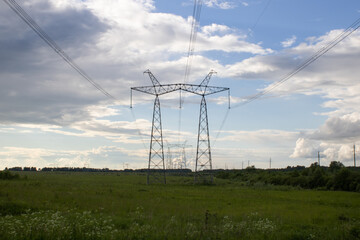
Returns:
(206, 80)
(191, 88)
(158, 90)
(203, 90)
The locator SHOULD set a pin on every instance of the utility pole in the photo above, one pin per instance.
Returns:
(354, 157)
(242, 165)
(270, 163)
(319, 158)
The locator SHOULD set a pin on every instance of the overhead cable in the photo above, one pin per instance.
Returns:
(195, 24)
(344, 34)
(260, 16)
(193, 34)
(44, 36)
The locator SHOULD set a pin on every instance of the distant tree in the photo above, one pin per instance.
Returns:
(314, 165)
(250, 168)
(342, 180)
(335, 166)
(15, 169)
(317, 179)
(7, 175)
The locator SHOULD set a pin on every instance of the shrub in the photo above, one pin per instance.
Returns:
(7, 175)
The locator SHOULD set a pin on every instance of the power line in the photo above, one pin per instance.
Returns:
(195, 24)
(221, 126)
(260, 16)
(49, 41)
(193, 34)
(352, 28)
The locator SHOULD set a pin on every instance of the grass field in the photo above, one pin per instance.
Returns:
(64, 205)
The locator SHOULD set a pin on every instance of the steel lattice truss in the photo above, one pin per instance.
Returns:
(203, 151)
(191, 88)
(156, 165)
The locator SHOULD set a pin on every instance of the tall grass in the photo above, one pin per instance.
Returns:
(121, 206)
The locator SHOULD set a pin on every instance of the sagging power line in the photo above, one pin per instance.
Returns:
(195, 24)
(49, 41)
(203, 162)
(344, 34)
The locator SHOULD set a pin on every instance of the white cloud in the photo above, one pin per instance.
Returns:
(41, 157)
(245, 4)
(345, 128)
(262, 137)
(215, 28)
(329, 151)
(304, 149)
(289, 42)
(219, 4)
(333, 140)
(39, 91)
(334, 77)
(112, 48)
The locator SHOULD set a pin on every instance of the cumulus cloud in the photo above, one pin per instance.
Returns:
(345, 128)
(219, 4)
(40, 91)
(289, 42)
(309, 149)
(262, 137)
(304, 149)
(42, 157)
(245, 4)
(333, 77)
(333, 140)
(112, 48)
(215, 28)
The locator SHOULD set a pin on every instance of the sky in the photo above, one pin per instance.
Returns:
(52, 117)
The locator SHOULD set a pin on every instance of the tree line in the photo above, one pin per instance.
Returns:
(334, 177)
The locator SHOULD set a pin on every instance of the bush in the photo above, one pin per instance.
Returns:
(7, 175)
(335, 166)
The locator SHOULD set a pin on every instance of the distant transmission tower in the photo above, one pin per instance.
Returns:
(184, 163)
(169, 162)
(179, 154)
(203, 154)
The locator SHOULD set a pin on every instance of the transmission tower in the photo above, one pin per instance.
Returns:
(184, 163)
(203, 161)
(169, 162)
(203, 154)
(180, 155)
(156, 164)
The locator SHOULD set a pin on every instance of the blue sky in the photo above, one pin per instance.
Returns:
(50, 116)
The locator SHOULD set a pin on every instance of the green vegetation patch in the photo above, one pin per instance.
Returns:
(66, 205)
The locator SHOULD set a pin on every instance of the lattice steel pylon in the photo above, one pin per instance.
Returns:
(203, 161)
(179, 155)
(156, 167)
(156, 155)
(156, 164)
(203, 151)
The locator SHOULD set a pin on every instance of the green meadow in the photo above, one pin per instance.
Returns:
(65, 205)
